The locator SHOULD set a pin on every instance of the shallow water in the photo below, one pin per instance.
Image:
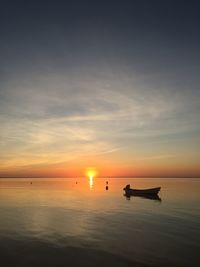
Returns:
(77, 222)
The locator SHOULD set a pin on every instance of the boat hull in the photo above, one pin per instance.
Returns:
(139, 192)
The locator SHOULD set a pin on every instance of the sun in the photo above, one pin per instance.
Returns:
(91, 172)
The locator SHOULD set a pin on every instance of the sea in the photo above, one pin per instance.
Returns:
(90, 222)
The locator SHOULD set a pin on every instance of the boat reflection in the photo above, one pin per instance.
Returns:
(151, 197)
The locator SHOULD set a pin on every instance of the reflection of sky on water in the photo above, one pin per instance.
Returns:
(66, 214)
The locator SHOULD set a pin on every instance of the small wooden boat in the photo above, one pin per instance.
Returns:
(140, 192)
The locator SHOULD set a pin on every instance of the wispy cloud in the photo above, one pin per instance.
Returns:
(156, 157)
(55, 119)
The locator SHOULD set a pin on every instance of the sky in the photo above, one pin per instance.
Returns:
(108, 85)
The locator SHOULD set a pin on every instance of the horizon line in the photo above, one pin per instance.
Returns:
(66, 177)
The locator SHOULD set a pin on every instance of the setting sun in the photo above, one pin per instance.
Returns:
(91, 172)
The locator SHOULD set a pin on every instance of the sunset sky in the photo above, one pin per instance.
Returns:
(109, 85)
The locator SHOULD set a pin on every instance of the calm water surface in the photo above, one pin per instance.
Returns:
(77, 222)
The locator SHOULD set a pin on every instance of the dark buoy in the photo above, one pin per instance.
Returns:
(106, 187)
(31, 182)
(106, 182)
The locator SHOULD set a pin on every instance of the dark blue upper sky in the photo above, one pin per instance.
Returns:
(116, 31)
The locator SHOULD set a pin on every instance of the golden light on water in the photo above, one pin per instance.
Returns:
(91, 172)
(91, 182)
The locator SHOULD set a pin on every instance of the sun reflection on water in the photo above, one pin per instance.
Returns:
(91, 172)
(91, 182)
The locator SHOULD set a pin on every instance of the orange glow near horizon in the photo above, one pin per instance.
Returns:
(108, 167)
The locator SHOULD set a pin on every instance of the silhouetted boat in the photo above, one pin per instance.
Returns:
(141, 192)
